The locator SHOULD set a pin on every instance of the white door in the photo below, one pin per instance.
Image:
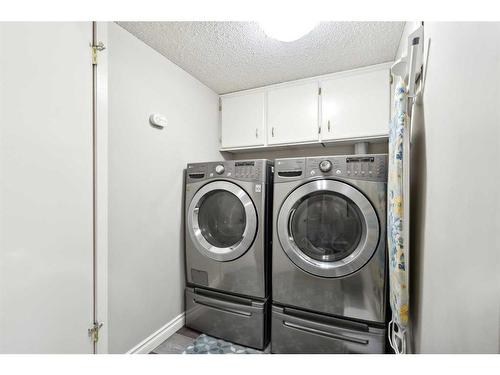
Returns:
(356, 105)
(46, 280)
(243, 119)
(292, 114)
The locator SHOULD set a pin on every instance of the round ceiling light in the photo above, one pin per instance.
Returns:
(287, 31)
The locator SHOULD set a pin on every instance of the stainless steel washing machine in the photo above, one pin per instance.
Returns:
(227, 238)
(329, 255)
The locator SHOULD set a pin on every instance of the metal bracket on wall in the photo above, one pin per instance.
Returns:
(96, 48)
(94, 332)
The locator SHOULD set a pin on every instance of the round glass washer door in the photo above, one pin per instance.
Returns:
(222, 221)
(328, 228)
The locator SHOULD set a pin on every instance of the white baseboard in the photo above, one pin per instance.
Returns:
(151, 342)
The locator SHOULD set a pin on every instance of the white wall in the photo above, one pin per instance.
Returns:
(146, 251)
(455, 245)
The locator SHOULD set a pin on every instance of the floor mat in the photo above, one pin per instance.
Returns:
(204, 344)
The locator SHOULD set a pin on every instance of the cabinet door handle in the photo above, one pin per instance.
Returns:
(256, 133)
(328, 125)
(272, 131)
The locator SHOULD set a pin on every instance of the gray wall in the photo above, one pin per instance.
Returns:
(455, 239)
(146, 258)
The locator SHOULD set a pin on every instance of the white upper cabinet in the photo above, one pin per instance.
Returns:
(355, 105)
(352, 106)
(243, 120)
(292, 114)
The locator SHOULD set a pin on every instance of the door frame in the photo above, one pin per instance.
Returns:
(100, 180)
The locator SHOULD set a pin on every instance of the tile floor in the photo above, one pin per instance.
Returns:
(178, 342)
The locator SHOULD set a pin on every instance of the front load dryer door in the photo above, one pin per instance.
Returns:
(222, 221)
(328, 228)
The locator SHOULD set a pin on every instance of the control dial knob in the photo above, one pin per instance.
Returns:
(219, 169)
(325, 166)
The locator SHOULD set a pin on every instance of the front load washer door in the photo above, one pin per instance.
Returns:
(222, 221)
(328, 228)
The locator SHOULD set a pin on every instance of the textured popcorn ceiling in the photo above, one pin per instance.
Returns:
(233, 56)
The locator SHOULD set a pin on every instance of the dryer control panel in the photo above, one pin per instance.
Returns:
(289, 169)
(359, 167)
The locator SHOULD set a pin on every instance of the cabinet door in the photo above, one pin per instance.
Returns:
(243, 120)
(356, 106)
(292, 114)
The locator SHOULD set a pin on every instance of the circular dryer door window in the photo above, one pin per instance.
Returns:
(222, 221)
(328, 228)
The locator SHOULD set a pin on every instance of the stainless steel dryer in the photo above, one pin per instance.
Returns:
(228, 249)
(329, 255)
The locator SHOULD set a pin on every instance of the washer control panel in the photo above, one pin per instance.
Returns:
(325, 165)
(363, 167)
(219, 169)
(246, 170)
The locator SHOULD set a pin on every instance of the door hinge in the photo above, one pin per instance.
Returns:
(319, 90)
(220, 105)
(319, 129)
(94, 331)
(96, 48)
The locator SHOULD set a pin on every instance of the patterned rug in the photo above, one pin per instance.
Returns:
(204, 344)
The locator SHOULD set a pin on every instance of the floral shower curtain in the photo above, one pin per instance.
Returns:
(396, 231)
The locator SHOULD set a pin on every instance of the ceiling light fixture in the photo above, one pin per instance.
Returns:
(287, 31)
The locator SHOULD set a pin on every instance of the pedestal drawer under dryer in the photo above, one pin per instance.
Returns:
(296, 331)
